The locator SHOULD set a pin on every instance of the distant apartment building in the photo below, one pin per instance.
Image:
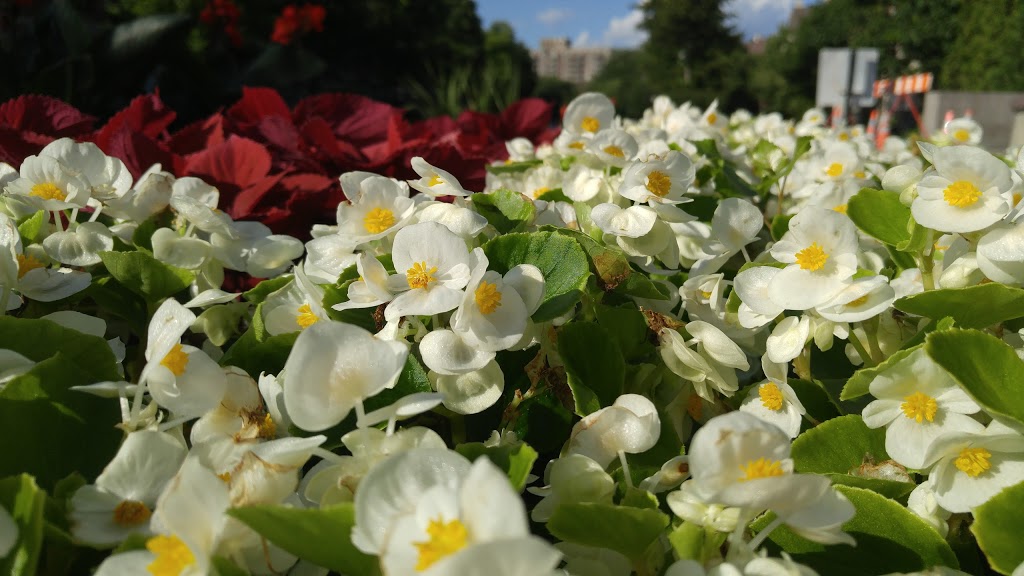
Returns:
(558, 59)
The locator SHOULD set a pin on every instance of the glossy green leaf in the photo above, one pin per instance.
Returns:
(889, 538)
(978, 306)
(560, 259)
(998, 526)
(627, 328)
(321, 536)
(593, 363)
(857, 385)
(612, 269)
(145, 275)
(512, 167)
(515, 459)
(780, 225)
(987, 368)
(625, 529)
(30, 227)
(24, 501)
(259, 293)
(38, 340)
(881, 215)
(839, 445)
(505, 209)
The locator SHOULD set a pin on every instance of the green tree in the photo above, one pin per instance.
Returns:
(984, 54)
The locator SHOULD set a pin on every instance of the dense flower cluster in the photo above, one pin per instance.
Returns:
(647, 347)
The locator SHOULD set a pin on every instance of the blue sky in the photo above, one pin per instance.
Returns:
(612, 22)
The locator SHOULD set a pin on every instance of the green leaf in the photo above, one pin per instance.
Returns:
(627, 328)
(412, 380)
(39, 340)
(512, 167)
(803, 145)
(544, 422)
(515, 459)
(881, 215)
(256, 351)
(839, 445)
(943, 324)
(780, 225)
(24, 501)
(505, 209)
(145, 275)
(978, 306)
(612, 268)
(728, 183)
(143, 235)
(898, 540)
(998, 525)
(321, 536)
(39, 414)
(560, 259)
(987, 368)
(625, 529)
(260, 292)
(894, 489)
(30, 227)
(555, 195)
(857, 385)
(225, 567)
(815, 399)
(593, 363)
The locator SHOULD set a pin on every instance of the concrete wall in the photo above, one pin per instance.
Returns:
(995, 111)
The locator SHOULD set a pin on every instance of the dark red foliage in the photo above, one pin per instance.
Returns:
(274, 163)
(295, 20)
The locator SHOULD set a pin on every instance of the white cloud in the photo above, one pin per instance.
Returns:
(625, 32)
(741, 6)
(582, 40)
(553, 16)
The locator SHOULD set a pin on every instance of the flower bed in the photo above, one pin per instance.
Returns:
(688, 344)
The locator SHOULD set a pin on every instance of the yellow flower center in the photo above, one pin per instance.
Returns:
(973, 461)
(378, 220)
(812, 258)
(27, 263)
(306, 318)
(446, 538)
(1017, 196)
(841, 208)
(706, 294)
(771, 396)
(225, 477)
(712, 118)
(844, 137)
(961, 194)
(658, 183)
(834, 170)
(48, 191)
(435, 180)
(577, 145)
(860, 174)
(131, 513)
(919, 406)
(172, 556)
(176, 360)
(858, 301)
(419, 276)
(540, 191)
(761, 468)
(267, 427)
(488, 298)
(961, 135)
(590, 124)
(613, 150)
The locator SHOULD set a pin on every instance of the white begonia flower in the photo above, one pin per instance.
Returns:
(820, 249)
(907, 283)
(81, 245)
(963, 131)
(583, 184)
(123, 497)
(36, 281)
(252, 248)
(659, 180)
(382, 209)
(864, 298)
(840, 161)
(687, 504)
(923, 503)
(670, 475)
(334, 482)
(186, 252)
(788, 338)
(817, 516)
(973, 466)
(470, 392)
(430, 511)
(520, 149)
(332, 368)
(150, 195)
(712, 366)
(588, 114)
(613, 147)
(372, 287)
(1000, 255)
(462, 221)
(49, 185)
(328, 256)
(446, 353)
(225, 433)
(190, 523)
(493, 315)
(632, 222)
(631, 425)
(107, 177)
(917, 402)
(435, 182)
(756, 307)
(295, 306)
(735, 224)
(740, 460)
(180, 378)
(964, 193)
(775, 401)
(571, 479)
(433, 266)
